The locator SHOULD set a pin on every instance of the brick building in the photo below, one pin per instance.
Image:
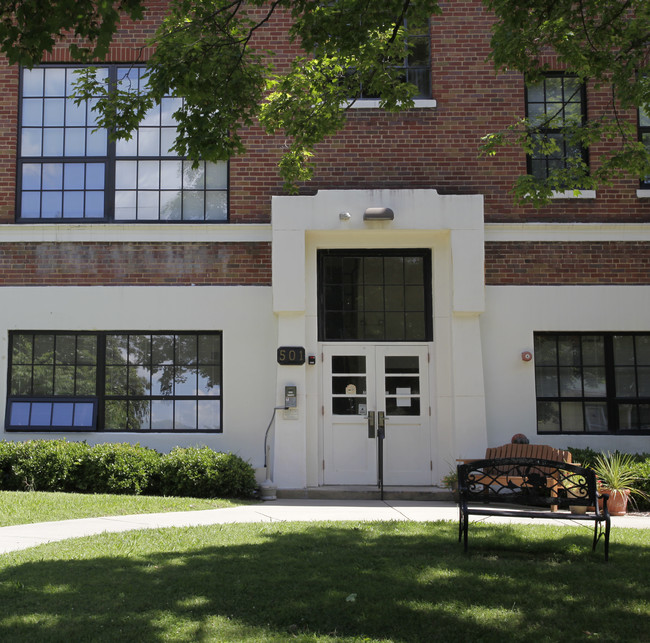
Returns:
(143, 301)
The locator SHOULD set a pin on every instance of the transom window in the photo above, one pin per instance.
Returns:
(592, 383)
(374, 295)
(551, 105)
(114, 382)
(70, 170)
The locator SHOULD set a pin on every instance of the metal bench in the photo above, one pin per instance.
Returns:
(542, 488)
(537, 451)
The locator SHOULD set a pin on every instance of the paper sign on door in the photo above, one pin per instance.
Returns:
(402, 401)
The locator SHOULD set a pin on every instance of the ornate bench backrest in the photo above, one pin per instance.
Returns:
(527, 481)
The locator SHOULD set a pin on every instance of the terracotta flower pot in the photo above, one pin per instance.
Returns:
(617, 503)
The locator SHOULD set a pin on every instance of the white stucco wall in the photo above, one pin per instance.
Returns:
(243, 314)
(512, 314)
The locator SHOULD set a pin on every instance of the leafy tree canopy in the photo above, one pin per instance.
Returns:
(605, 42)
(205, 52)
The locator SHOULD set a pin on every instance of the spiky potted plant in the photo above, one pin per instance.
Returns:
(616, 477)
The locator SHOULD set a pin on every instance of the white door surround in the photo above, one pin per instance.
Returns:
(452, 227)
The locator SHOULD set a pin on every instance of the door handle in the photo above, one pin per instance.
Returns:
(381, 425)
(371, 425)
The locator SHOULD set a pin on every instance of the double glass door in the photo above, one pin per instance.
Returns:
(370, 390)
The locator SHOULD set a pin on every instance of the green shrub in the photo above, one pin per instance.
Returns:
(8, 479)
(45, 465)
(122, 468)
(585, 457)
(204, 473)
(642, 472)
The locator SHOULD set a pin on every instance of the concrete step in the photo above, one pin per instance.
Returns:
(336, 492)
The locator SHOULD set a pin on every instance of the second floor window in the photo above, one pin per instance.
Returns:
(552, 105)
(415, 66)
(644, 136)
(68, 170)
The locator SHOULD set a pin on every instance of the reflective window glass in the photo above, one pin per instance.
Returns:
(115, 381)
(592, 383)
(374, 295)
(141, 179)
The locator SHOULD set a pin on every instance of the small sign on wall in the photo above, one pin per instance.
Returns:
(291, 355)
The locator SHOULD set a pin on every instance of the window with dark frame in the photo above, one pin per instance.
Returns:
(553, 104)
(592, 382)
(68, 170)
(374, 295)
(644, 137)
(415, 67)
(139, 382)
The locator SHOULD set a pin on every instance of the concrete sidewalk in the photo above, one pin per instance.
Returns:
(23, 536)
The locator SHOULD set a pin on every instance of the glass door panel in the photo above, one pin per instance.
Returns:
(363, 381)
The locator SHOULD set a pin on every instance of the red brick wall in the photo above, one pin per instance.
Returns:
(562, 263)
(135, 264)
(423, 148)
(8, 135)
(87, 264)
(440, 148)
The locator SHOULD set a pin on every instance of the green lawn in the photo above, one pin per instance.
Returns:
(343, 582)
(20, 507)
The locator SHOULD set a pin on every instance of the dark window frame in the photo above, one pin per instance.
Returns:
(644, 136)
(324, 309)
(412, 72)
(562, 158)
(608, 407)
(109, 160)
(102, 399)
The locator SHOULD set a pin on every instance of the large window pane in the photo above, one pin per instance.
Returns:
(545, 350)
(209, 415)
(553, 104)
(134, 172)
(546, 381)
(623, 350)
(162, 415)
(602, 378)
(142, 381)
(595, 384)
(548, 417)
(572, 419)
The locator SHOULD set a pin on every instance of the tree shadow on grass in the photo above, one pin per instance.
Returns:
(373, 581)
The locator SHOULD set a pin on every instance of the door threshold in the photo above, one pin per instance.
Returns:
(362, 492)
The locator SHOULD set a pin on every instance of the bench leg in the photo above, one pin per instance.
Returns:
(463, 525)
(598, 532)
(466, 528)
(554, 495)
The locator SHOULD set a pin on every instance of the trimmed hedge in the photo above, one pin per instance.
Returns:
(122, 468)
(203, 473)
